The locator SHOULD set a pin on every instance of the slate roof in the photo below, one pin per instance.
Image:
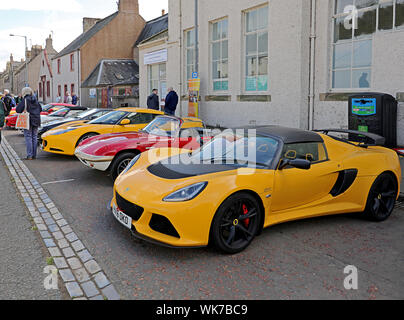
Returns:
(113, 72)
(84, 37)
(152, 28)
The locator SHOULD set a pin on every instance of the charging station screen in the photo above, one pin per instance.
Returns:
(364, 107)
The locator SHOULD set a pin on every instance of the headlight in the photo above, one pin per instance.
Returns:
(187, 193)
(63, 131)
(131, 164)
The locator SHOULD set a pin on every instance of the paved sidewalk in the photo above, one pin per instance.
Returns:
(22, 257)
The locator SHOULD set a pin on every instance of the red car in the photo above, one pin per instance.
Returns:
(11, 121)
(113, 152)
(52, 107)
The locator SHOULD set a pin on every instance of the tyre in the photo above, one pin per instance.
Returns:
(120, 163)
(382, 198)
(236, 223)
(85, 137)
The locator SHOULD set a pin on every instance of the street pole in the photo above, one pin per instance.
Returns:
(196, 38)
(26, 57)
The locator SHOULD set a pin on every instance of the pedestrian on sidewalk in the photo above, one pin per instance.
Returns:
(153, 101)
(75, 99)
(69, 98)
(2, 116)
(9, 102)
(34, 109)
(171, 102)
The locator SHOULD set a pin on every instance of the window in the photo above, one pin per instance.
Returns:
(140, 118)
(65, 89)
(72, 62)
(220, 55)
(58, 66)
(352, 43)
(190, 50)
(59, 91)
(157, 79)
(48, 93)
(71, 89)
(314, 152)
(40, 89)
(256, 49)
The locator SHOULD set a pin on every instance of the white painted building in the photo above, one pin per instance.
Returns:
(286, 62)
(45, 80)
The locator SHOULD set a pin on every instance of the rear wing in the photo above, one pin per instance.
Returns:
(365, 139)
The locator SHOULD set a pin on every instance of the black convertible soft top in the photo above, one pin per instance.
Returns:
(289, 135)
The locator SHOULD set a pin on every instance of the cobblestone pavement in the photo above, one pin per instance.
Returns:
(82, 276)
(297, 260)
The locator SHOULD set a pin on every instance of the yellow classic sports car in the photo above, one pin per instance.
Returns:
(241, 182)
(65, 140)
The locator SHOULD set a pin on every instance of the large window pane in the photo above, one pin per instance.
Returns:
(251, 66)
(251, 84)
(365, 3)
(215, 31)
(340, 30)
(341, 4)
(400, 13)
(341, 79)
(342, 55)
(366, 23)
(263, 43)
(362, 54)
(190, 56)
(361, 78)
(224, 74)
(252, 21)
(224, 28)
(262, 83)
(252, 44)
(216, 51)
(225, 49)
(263, 65)
(263, 18)
(190, 38)
(386, 16)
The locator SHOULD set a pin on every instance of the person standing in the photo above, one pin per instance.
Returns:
(58, 99)
(9, 102)
(153, 101)
(34, 109)
(69, 98)
(2, 116)
(171, 102)
(75, 99)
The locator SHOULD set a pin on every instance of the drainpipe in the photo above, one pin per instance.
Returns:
(181, 63)
(196, 37)
(312, 63)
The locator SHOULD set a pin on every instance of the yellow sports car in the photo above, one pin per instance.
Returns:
(64, 140)
(225, 193)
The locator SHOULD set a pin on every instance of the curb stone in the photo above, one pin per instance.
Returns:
(48, 221)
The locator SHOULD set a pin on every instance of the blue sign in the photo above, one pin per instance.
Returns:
(194, 75)
(364, 107)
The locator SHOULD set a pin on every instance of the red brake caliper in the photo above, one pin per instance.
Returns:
(245, 211)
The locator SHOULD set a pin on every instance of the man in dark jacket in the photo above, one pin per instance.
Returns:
(8, 101)
(34, 109)
(171, 102)
(153, 101)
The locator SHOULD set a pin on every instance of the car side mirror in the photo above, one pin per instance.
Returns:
(296, 163)
(124, 122)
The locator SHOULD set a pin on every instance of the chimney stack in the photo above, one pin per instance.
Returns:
(128, 6)
(11, 58)
(88, 23)
(49, 43)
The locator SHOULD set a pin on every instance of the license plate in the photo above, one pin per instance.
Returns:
(121, 217)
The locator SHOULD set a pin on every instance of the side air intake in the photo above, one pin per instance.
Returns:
(345, 180)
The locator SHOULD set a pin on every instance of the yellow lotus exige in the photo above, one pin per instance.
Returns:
(239, 183)
(64, 140)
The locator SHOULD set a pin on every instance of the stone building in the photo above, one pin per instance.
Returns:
(7, 77)
(106, 39)
(285, 62)
(44, 78)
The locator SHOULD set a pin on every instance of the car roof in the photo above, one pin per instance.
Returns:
(289, 135)
(140, 110)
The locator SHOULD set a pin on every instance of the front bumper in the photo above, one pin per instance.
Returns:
(94, 162)
(191, 232)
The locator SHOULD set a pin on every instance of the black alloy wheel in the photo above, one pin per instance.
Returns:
(120, 163)
(236, 223)
(382, 198)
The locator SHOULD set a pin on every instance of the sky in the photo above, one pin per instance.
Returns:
(37, 19)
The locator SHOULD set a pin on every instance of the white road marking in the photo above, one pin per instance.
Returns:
(55, 182)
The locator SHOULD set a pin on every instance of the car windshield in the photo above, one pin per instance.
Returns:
(245, 150)
(110, 118)
(163, 126)
(47, 107)
(60, 113)
(83, 114)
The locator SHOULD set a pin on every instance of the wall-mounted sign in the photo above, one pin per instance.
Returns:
(364, 107)
(93, 93)
(156, 57)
